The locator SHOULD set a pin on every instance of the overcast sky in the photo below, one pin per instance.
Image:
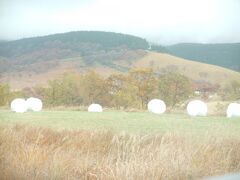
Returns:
(160, 21)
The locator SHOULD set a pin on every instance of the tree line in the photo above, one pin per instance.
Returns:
(133, 89)
(120, 91)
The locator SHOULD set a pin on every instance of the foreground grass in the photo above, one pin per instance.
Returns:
(42, 153)
(116, 145)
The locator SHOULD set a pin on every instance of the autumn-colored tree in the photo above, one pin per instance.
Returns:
(145, 84)
(134, 89)
(4, 94)
(236, 89)
(231, 91)
(93, 88)
(53, 94)
(62, 91)
(174, 88)
(71, 84)
(121, 91)
(74, 89)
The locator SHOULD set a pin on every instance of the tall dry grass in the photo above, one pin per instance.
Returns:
(40, 153)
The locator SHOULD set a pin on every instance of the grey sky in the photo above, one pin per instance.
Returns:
(161, 21)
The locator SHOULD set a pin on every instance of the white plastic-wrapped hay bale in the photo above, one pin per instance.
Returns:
(19, 105)
(34, 104)
(197, 108)
(156, 106)
(95, 108)
(233, 110)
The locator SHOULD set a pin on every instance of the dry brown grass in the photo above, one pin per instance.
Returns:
(40, 153)
(192, 69)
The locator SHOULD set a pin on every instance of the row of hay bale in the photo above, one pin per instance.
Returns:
(194, 108)
(21, 105)
(157, 106)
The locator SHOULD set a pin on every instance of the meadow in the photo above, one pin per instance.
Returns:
(120, 121)
(116, 145)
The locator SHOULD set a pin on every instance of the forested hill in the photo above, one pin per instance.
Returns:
(225, 55)
(80, 41)
(91, 47)
(94, 48)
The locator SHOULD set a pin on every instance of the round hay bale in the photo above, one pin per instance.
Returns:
(34, 104)
(156, 106)
(233, 110)
(95, 108)
(19, 105)
(197, 108)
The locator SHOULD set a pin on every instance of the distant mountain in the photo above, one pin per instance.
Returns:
(105, 47)
(93, 46)
(32, 61)
(81, 41)
(225, 55)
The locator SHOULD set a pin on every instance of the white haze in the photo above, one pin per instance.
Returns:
(161, 21)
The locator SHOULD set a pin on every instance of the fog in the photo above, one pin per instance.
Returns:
(159, 21)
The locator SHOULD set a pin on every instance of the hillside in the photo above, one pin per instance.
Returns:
(225, 55)
(94, 47)
(32, 61)
(197, 71)
(160, 62)
(76, 41)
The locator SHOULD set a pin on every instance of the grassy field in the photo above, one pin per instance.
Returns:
(130, 122)
(116, 145)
